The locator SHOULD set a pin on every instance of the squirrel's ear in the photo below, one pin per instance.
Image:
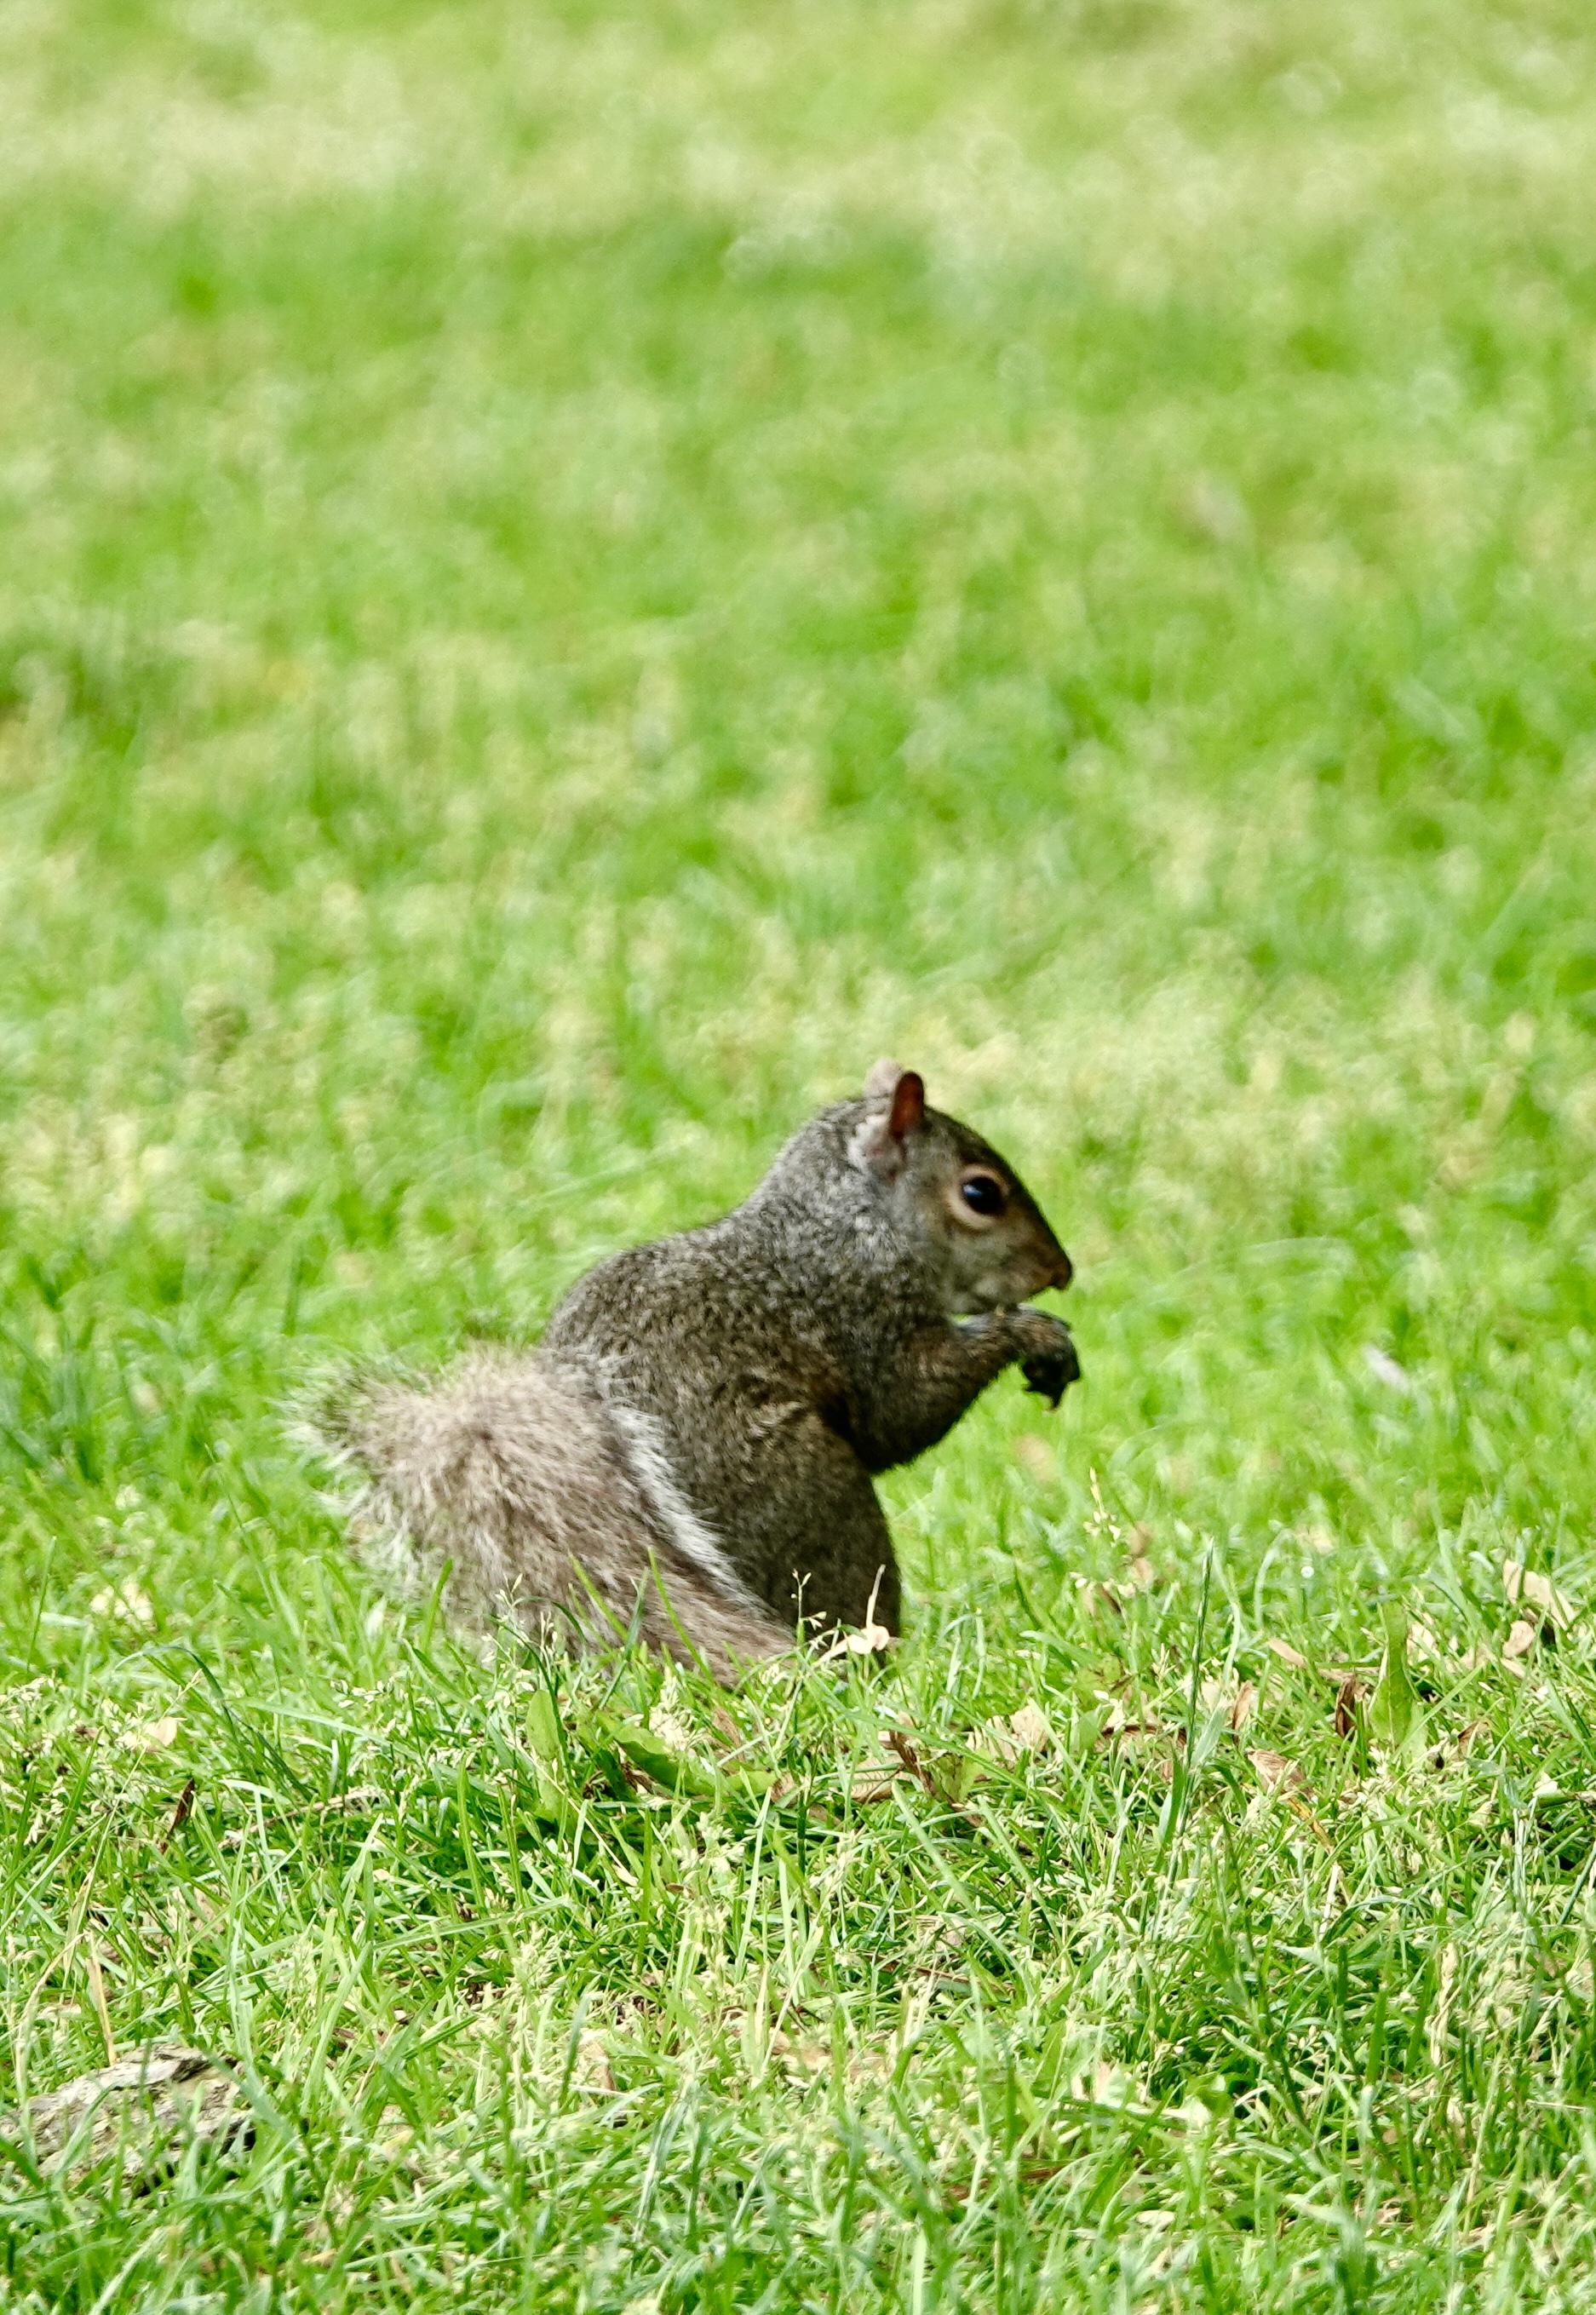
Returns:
(881, 1141)
(909, 1105)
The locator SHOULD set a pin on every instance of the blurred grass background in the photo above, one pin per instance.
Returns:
(572, 576)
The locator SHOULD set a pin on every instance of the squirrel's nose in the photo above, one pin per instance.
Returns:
(1063, 1271)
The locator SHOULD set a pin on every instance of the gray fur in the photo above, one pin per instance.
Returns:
(689, 1453)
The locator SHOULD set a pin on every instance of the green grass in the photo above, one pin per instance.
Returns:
(569, 578)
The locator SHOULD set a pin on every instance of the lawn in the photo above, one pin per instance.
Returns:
(570, 577)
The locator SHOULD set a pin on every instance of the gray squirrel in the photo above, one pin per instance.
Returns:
(687, 1453)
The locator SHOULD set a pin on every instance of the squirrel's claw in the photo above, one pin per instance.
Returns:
(1050, 1373)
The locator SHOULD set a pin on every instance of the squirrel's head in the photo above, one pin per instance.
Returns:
(954, 1195)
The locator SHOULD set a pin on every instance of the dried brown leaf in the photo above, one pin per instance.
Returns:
(1118, 1721)
(1102, 1595)
(897, 1742)
(1520, 1640)
(1029, 1727)
(152, 1736)
(870, 1639)
(1274, 1772)
(874, 1781)
(180, 1817)
(1237, 1704)
(870, 1785)
(1348, 1696)
(1521, 1583)
(1287, 1654)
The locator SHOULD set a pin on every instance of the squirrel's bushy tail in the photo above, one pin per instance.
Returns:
(512, 1476)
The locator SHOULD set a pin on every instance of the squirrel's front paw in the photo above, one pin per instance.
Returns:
(1051, 1369)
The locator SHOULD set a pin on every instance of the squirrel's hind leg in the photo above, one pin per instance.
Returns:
(831, 1560)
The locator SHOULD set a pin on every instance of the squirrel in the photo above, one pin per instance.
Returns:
(687, 1454)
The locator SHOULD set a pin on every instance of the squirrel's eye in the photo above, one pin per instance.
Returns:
(982, 1193)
